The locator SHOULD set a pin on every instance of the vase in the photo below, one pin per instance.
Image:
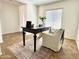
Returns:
(43, 24)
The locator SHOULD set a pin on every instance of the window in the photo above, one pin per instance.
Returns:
(54, 18)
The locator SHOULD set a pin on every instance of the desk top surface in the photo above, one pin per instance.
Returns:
(35, 30)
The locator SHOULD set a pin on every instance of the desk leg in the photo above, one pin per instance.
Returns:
(35, 42)
(23, 38)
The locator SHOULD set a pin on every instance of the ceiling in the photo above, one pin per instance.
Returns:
(15, 2)
(36, 2)
(41, 2)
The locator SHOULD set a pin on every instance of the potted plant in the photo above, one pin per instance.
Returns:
(42, 18)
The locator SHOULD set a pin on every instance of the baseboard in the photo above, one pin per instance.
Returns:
(11, 33)
(69, 38)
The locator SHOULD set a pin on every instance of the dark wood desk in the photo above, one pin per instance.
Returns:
(34, 31)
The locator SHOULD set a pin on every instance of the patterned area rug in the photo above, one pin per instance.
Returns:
(26, 52)
(0, 51)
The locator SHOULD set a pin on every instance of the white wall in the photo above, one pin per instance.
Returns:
(32, 13)
(77, 41)
(0, 24)
(70, 16)
(22, 15)
(0, 37)
(0, 29)
(0, 32)
(28, 12)
(10, 18)
(22, 1)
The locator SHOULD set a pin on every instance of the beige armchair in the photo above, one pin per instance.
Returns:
(53, 40)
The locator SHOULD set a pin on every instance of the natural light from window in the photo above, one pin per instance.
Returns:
(54, 18)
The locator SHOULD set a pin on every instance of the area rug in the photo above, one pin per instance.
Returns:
(0, 51)
(27, 51)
